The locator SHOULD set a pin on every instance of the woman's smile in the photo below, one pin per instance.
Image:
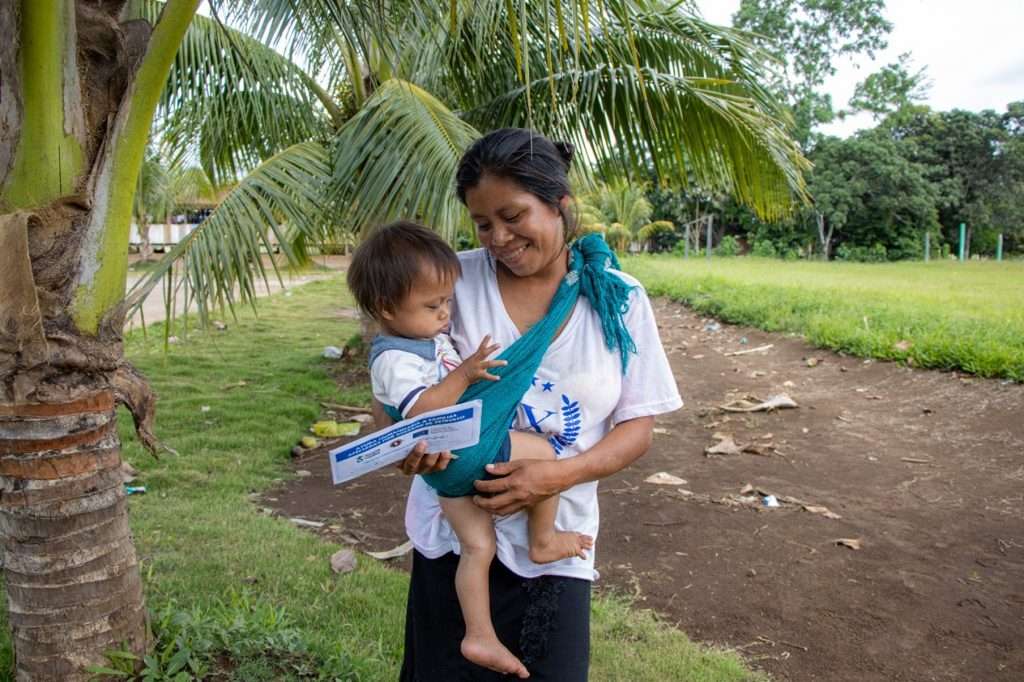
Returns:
(512, 256)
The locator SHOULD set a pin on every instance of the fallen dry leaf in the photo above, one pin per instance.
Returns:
(394, 552)
(824, 511)
(725, 446)
(775, 402)
(852, 543)
(664, 478)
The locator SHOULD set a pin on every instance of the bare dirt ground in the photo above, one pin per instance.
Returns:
(925, 469)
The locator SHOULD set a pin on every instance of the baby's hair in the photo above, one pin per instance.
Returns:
(387, 263)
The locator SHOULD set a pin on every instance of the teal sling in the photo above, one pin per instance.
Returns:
(607, 294)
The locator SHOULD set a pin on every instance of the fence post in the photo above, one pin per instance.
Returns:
(709, 237)
(927, 246)
(686, 249)
(999, 247)
(963, 238)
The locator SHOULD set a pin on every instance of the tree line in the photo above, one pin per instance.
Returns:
(875, 194)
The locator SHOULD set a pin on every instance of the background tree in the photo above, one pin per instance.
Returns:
(971, 159)
(867, 193)
(79, 84)
(807, 37)
(890, 89)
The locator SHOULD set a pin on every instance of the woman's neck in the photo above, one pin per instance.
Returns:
(526, 299)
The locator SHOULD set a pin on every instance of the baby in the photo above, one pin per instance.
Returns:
(403, 276)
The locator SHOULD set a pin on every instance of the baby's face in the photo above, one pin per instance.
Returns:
(425, 312)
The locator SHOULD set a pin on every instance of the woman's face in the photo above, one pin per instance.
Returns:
(522, 232)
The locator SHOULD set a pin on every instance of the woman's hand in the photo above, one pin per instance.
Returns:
(523, 483)
(418, 461)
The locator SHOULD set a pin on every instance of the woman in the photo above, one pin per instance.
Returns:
(596, 404)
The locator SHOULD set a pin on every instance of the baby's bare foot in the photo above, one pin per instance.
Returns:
(490, 653)
(561, 545)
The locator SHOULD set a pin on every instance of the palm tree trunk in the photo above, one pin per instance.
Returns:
(73, 585)
(78, 89)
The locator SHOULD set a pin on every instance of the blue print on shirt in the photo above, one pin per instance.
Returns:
(571, 419)
(570, 425)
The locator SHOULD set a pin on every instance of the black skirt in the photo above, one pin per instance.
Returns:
(544, 621)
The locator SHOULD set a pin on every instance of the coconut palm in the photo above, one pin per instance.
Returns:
(627, 204)
(377, 134)
(163, 188)
(371, 127)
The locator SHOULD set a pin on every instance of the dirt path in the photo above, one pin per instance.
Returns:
(154, 310)
(925, 468)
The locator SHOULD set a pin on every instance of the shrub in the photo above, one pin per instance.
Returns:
(729, 246)
(618, 237)
(764, 248)
(862, 254)
(907, 248)
(591, 228)
(660, 236)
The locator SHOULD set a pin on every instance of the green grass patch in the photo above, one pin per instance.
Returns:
(967, 316)
(246, 591)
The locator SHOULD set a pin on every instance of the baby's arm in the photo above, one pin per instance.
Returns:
(446, 392)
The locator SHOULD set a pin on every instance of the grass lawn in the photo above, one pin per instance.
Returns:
(233, 403)
(967, 316)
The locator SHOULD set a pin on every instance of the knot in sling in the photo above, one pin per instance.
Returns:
(607, 294)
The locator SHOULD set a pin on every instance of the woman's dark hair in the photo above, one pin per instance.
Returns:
(538, 165)
(386, 265)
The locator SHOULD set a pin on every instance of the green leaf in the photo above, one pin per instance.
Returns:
(397, 158)
(109, 672)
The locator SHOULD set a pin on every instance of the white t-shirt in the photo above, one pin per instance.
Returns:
(578, 395)
(399, 377)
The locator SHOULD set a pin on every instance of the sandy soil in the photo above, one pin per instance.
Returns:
(925, 469)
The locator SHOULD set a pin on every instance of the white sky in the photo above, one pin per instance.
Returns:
(973, 53)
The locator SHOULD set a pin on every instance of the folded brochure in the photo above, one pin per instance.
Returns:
(448, 428)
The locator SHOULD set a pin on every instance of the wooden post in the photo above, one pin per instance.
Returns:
(999, 247)
(686, 250)
(927, 246)
(709, 221)
(963, 240)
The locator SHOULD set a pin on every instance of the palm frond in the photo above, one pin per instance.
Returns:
(232, 100)
(397, 158)
(653, 88)
(221, 261)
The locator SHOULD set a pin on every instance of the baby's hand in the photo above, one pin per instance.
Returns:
(476, 365)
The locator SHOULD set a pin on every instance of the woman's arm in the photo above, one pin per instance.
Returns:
(523, 483)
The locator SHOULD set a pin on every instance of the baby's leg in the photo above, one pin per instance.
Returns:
(475, 529)
(546, 544)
